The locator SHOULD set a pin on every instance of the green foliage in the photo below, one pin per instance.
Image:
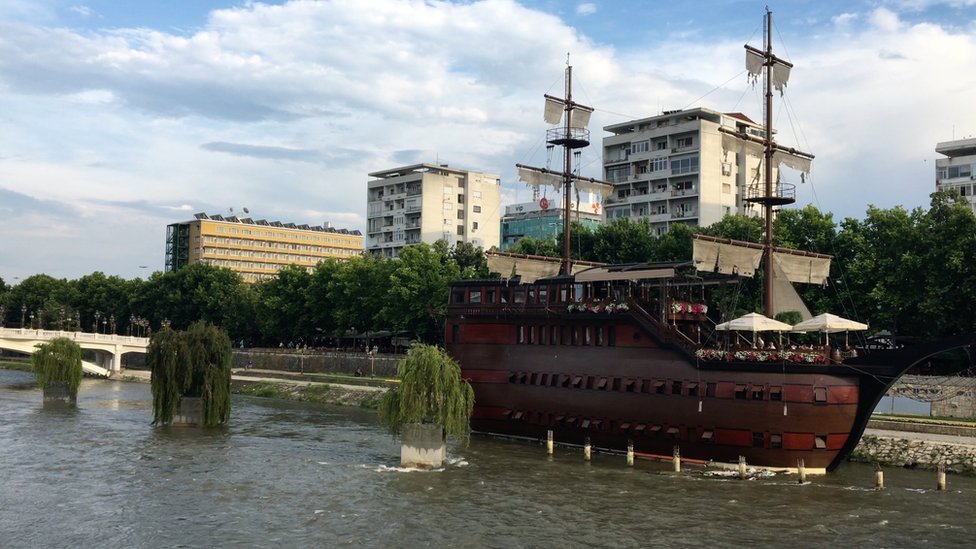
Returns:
(417, 291)
(790, 317)
(431, 391)
(194, 363)
(58, 361)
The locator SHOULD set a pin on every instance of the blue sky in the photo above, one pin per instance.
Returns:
(121, 117)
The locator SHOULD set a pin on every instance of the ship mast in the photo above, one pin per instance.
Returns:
(776, 71)
(570, 134)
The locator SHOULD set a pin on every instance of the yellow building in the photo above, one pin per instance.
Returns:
(255, 248)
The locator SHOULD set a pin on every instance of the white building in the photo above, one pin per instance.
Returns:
(956, 172)
(429, 202)
(679, 168)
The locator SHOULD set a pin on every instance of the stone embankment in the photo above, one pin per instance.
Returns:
(916, 443)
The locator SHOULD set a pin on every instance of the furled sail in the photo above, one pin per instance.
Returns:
(807, 268)
(725, 257)
(740, 143)
(755, 60)
(529, 269)
(537, 177)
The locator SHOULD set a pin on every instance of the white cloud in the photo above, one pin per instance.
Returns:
(110, 135)
(586, 8)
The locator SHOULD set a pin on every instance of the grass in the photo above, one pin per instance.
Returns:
(926, 420)
(18, 365)
(319, 393)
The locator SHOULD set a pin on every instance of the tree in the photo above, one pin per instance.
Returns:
(196, 292)
(470, 260)
(624, 241)
(358, 290)
(430, 391)
(58, 361)
(283, 306)
(195, 363)
(417, 292)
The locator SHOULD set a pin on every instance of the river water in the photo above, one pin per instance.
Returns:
(286, 474)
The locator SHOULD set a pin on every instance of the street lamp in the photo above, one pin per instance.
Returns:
(97, 316)
(112, 322)
(61, 320)
(132, 320)
(32, 320)
(3, 316)
(23, 313)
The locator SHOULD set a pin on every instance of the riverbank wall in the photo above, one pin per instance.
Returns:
(896, 450)
(316, 362)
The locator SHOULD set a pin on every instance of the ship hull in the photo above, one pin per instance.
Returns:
(657, 400)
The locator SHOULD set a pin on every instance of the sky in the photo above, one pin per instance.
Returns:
(121, 117)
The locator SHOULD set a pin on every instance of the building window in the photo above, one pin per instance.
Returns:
(474, 226)
(477, 209)
(460, 230)
(683, 142)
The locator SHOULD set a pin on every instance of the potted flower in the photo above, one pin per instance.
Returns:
(57, 366)
(430, 403)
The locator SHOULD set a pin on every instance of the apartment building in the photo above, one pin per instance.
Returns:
(256, 249)
(680, 168)
(957, 171)
(429, 202)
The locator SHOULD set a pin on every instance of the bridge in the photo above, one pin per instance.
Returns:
(108, 348)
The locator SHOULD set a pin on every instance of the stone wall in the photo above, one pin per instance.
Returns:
(899, 452)
(323, 362)
(950, 396)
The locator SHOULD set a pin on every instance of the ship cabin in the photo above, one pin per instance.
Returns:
(666, 301)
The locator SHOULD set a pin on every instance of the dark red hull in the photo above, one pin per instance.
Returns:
(623, 382)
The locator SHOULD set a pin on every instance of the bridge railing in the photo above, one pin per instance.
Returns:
(28, 333)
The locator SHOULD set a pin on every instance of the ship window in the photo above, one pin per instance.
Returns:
(522, 377)
(563, 293)
(513, 377)
(775, 441)
(543, 331)
(611, 336)
(521, 334)
(531, 330)
(563, 336)
(517, 415)
(820, 394)
(490, 296)
(584, 424)
(758, 392)
(575, 330)
(654, 430)
(577, 381)
(543, 294)
(758, 439)
(602, 383)
(457, 296)
(676, 388)
(553, 335)
(519, 295)
(533, 378)
(740, 391)
(776, 393)
(599, 335)
(597, 424)
(587, 333)
(503, 295)
(455, 333)
(692, 389)
(625, 426)
(659, 386)
(590, 380)
(674, 432)
(820, 442)
(474, 296)
(707, 436)
(639, 428)
(629, 385)
(544, 379)
(564, 380)
(531, 294)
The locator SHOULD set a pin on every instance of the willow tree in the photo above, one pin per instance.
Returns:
(431, 391)
(191, 364)
(58, 362)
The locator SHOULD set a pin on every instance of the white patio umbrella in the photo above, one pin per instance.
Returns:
(830, 324)
(754, 322)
